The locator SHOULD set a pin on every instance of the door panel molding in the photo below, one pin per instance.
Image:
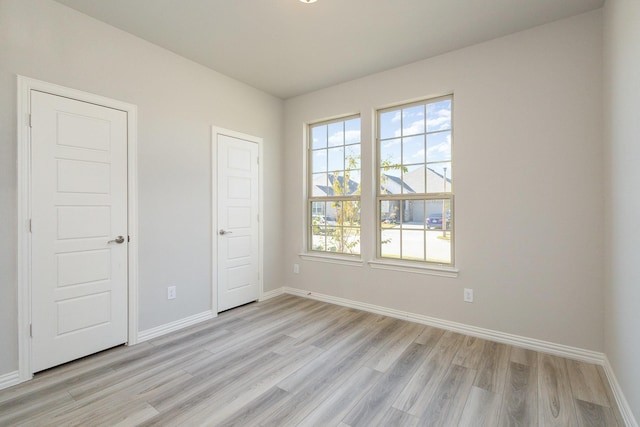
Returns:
(215, 132)
(24, 87)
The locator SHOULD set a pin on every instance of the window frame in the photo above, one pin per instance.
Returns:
(310, 199)
(412, 264)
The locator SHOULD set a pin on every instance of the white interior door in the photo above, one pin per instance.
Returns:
(237, 219)
(78, 210)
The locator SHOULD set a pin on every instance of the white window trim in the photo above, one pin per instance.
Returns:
(310, 254)
(407, 267)
(424, 267)
(415, 267)
(342, 259)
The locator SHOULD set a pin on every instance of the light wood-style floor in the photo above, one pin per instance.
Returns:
(292, 361)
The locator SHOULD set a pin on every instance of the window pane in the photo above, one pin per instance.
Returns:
(413, 178)
(413, 120)
(413, 150)
(390, 152)
(319, 136)
(319, 161)
(349, 214)
(439, 246)
(439, 116)
(436, 211)
(436, 174)
(352, 156)
(390, 180)
(389, 242)
(390, 124)
(413, 244)
(389, 213)
(352, 182)
(336, 213)
(336, 134)
(317, 209)
(318, 226)
(319, 187)
(336, 184)
(412, 214)
(336, 158)
(350, 240)
(318, 241)
(439, 146)
(352, 131)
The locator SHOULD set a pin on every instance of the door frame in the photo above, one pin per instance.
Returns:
(25, 86)
(215, 131)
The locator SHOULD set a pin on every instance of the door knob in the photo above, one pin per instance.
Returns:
(118, 240)
(223, 232)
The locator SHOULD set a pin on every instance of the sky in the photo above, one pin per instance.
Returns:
(413, 137)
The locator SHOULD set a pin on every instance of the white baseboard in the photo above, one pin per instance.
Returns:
(623, 405)
(10, 379)
(175, 326)
(488, 334)
(272, 294)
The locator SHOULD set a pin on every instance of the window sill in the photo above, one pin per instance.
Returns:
(333, 259)
(433, 270)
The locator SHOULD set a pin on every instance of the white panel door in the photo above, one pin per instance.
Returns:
(238, 233)
(78, 210)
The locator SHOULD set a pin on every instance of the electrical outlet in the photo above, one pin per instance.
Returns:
(296, 268)
(468, 295)
(171, 292)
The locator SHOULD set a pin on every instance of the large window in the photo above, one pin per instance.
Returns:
(334, 186)
(415, 186)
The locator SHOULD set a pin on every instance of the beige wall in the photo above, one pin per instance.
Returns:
(177, 101)
(528, 185)
(622, 138)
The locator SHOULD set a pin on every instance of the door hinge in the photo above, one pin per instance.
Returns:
(31, 330)
(128, 239)
(30, 120)
(258, 160)
(30, 226)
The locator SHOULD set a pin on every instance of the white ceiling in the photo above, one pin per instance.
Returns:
(288, 48)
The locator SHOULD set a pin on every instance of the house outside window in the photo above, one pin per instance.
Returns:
(415, 187)
(334, 186)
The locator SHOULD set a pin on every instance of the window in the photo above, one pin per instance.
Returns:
(334, 186)
(415, 187)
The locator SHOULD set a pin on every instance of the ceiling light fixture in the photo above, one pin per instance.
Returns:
(308, 1)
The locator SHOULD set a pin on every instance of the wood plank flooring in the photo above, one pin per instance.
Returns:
(291, 361)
